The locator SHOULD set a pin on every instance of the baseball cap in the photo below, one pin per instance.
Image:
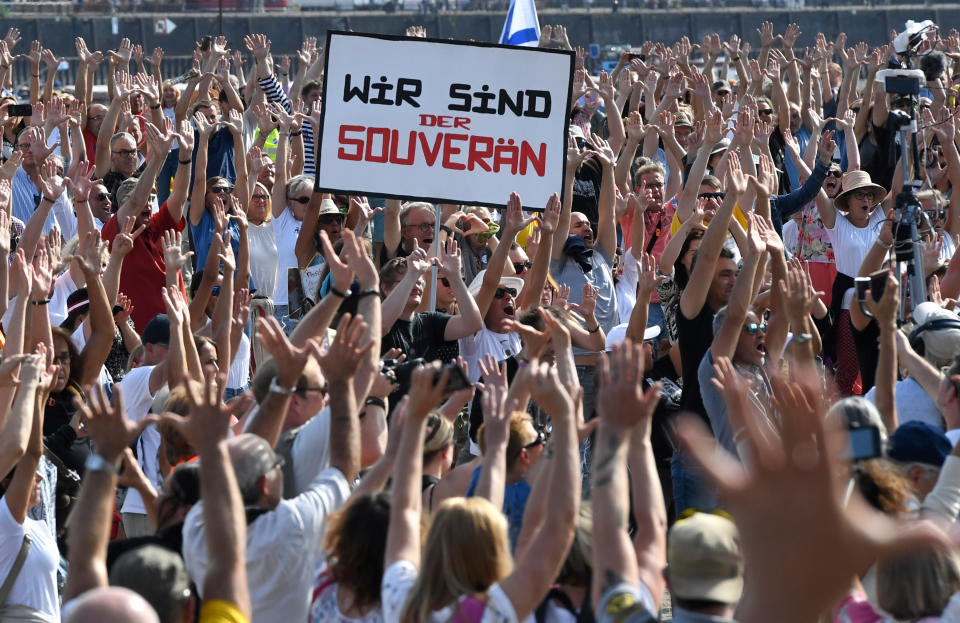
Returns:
(918, 442)
(937, 332)
(704, 559)
(619, 334)
(157, 330)
(155, 573)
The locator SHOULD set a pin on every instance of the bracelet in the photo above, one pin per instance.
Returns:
(155, 107)
(35, 75)
(734, 58)
(96, 463)
(47, 199)
(589, 330)
(275, 388)
(374, 401)
(360, 295)
(336, 292)
(187, 161)
(40, 302)
(801, 338)
(446, 229)
(883, 244)
(297, 133)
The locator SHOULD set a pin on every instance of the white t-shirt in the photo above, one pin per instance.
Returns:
(485, 342)
(913, 403)
(287, 230)
(398, 580)
(263, 258)
(851, 244)
(36, 586)
(80, 340)
(239, 374)
(138, 399)
(283, 548)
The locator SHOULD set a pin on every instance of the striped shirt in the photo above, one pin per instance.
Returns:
(274, 93)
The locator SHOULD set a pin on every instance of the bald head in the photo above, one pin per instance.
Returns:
(109, 604)
(252, 459)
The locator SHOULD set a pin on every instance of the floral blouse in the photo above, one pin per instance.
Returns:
(813, 244)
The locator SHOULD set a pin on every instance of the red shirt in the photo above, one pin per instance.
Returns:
(143, 276)
(90, 141)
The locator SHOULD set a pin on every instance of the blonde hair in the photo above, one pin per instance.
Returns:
(466, 552)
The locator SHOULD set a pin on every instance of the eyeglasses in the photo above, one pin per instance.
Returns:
(330, 219)
(856, 110)
(753, 328)
(125, 152)
(519, 267)
(95, 118)
(63, 359)
(101, 196)
(863, 195)
(300, 200)
(835, 173)
(24, 146)
(502, 292)
(765, 111)
(421, 226)
(717, 195)
(260, 197)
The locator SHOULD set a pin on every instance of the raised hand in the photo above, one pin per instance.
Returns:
(173, 256)
(209, 421)
(449, 261)
(36, 51)
(204, 128)
(767, 37)
(50, 184)
(80, 179)
(604, 153)
(736, 183)
(514, 222)
(122, 55)
(107, 425)
(551, 215)
(234, 121)
(621, 401)
(347, 351)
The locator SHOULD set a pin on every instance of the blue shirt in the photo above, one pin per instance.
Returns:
(514, 502)
(25, 198)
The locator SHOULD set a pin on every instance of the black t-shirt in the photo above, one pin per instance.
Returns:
(421, 337)
(694, 336)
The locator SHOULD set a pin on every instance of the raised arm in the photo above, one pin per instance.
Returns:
(26, 423)
(496, 432)
(691, 185)
(340, 364)
(537, 276)
(575, 157)
(695, 294)
(606, 222)
(198, 196)
(403, 534)
(513, 224)
(537, 570)
(110, 432)
(625, 414)
(468, 319)
(725, 340)
(885, 311)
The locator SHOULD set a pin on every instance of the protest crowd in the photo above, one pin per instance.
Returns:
(696, 380)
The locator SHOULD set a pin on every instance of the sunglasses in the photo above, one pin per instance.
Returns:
(303, 391)
(300, 200)
(445, 282)
(765, 111)
(125, 152)
(330, 219)
(835, 173)
(539, 441)
(856, 110)
(260, 197)
(221, 190)
(718, 196)
(101, 196)
(753, 328)
(502, 292)
(216, 291)
(519, 267)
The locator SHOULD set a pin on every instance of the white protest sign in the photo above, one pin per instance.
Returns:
(443, 121)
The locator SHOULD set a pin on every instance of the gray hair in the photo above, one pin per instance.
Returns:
(857, 412)
(252, 458)
(119, 136)
(298, 183)
(410, 207)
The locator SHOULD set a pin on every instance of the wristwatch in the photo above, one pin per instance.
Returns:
(801, 338)
(96, 463)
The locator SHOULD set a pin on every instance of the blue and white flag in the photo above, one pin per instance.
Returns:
(522, 26)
